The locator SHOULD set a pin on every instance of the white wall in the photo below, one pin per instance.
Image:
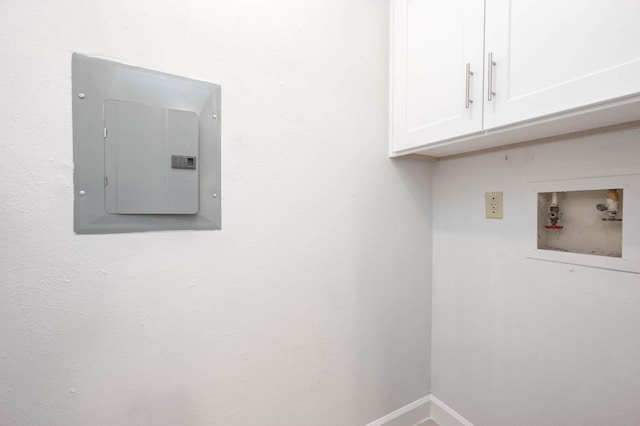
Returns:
(526, 342)
(311, 306)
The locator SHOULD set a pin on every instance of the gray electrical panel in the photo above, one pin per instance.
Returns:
(146, 149)
(139, 149)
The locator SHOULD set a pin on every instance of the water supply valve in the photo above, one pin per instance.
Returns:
(610, 206)
(554, 213)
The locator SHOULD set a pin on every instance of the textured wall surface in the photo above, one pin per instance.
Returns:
(526, 342)
(310, 307)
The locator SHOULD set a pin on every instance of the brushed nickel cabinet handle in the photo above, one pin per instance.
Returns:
(468, 101)
(490, 92)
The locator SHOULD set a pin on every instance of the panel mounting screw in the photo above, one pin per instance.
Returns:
(81, 192)
(215, 195)
(81, 95)
(215, 117)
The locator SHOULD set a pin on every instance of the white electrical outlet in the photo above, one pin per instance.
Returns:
(493, 205)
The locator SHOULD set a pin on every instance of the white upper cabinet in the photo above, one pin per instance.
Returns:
(472, 74)
(553, 56)
(436, 70)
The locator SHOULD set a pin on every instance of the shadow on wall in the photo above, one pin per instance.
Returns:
(393, 286)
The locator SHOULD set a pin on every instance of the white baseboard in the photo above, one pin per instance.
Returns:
(428, 407)
(409, 415)
(444, 415)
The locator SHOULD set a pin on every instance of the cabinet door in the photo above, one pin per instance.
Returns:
(432, 43)
(553, 56)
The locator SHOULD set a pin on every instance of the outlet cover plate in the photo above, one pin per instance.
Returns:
(493, 205)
